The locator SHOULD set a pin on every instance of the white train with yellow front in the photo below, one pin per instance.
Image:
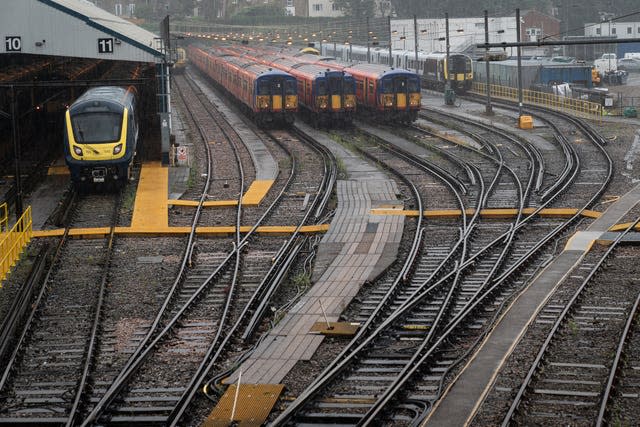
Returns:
(100, 138)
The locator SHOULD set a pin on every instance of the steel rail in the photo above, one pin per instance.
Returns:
(616, 364)
(263, 292)
(142, 349)
(20, 304)
(457, 321)
(402, 378)
(93, 338)
(339, 362)
(35, 306)
(537, 363)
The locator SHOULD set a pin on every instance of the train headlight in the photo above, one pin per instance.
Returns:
(77, 150)
(350, 101)
(117, 149)
(414, 99)
(387, 100)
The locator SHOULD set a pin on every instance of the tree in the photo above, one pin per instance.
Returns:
(356, 8)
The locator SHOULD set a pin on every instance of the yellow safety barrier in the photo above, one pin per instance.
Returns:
(13, 242)
(4, 218)
(582, 108)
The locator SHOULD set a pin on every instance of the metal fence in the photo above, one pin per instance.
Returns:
(579, 107)
(13, 242)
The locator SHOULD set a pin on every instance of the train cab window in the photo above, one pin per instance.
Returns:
(321, 87)
(386, 86)
(290, 87)
(400, 85)
(276, 87)
(413, 85)
(96, 128)
(335, 85)
(263, 87)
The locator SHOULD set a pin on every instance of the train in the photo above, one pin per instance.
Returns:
(384, 93)
(100, 137)
(327, 97)
(268, 96)
(431, 67)
(180, 61)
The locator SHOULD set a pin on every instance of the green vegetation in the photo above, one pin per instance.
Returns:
(192, 177)
(301, 280)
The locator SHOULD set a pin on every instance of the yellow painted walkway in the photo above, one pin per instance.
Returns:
(487, 213)
(151, 208)
(151, 215)
(254, 195)
(98, 232)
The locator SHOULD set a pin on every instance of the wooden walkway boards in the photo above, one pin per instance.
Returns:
(357, 247)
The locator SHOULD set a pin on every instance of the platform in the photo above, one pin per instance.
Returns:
(358, 247)
(465, 395)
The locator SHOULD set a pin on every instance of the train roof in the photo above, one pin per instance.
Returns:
(256, 68)
(115, 94)
(377, 70)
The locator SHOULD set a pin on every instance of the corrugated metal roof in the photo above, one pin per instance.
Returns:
(105, 21)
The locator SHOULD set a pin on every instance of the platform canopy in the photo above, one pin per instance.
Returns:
(73, 28)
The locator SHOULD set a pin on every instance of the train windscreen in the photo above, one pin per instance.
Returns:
(460, 64)
(263, 87)
(290, 87)
(414, 85)
(335, 85)
(321, 87)
(400, 85)
(96, 128)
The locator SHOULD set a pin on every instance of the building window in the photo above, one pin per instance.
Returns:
(613, 30)
(118, 9)
(317, 7)
(629, 30)
(289, 3)
(598, 31)
(335, 7)
(132, 9)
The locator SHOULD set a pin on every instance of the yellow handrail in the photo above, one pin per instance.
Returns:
(13, 242)
(580, 107)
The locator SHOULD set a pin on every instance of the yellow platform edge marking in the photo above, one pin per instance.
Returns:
(624, 226)
(254, 195)
(150, 210)
(178, 231)
(257, 191)
(58, 170)
(343, 329)
(255, 402)
(488, 213)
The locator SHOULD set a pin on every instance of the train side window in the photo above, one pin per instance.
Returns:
(371, 86)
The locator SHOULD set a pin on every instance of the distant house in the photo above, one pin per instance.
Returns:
(537, 26)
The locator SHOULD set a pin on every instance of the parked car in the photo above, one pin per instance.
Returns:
(629, 64)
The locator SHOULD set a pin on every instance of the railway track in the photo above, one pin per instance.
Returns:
(572, 375)
(232, 285)
(380, 368)
(46, 376)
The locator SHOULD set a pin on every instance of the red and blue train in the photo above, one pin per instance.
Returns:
(268, 95)
(386, 93)
(327, 96)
